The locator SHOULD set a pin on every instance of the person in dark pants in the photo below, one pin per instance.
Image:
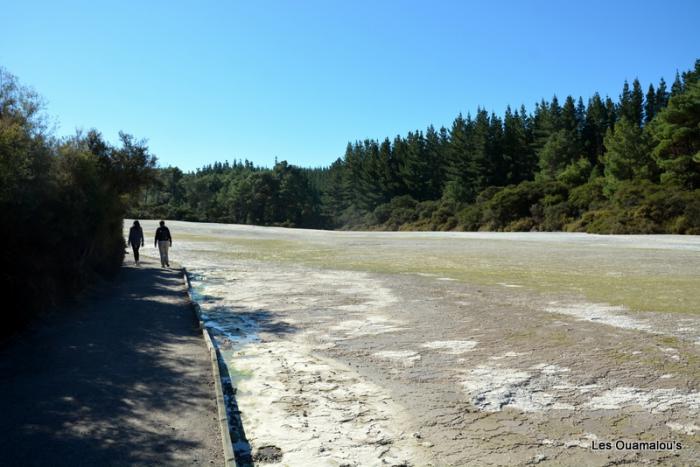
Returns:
(163, 241)
(136, 239)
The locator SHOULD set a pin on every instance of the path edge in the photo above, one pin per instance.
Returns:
(214, 355)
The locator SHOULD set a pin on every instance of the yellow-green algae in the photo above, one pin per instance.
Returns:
(639, 279)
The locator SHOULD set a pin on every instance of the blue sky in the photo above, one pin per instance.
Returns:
(206, 81)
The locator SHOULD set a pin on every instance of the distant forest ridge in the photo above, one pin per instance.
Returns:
(599, 165)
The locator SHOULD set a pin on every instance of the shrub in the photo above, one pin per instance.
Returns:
(399, 217)
(587, 196)
(443, 216)
(382, 213)
(575, 173)
(61, 205)
(521, 225)
(470, 218)
(556, 216)
(426, 209)
(519, 201)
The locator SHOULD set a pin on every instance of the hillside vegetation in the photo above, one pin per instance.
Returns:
(625, 166)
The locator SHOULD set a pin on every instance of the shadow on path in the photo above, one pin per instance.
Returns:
(123, 379)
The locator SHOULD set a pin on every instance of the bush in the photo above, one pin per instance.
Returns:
(61, 205)
(399, 217)
(404, 201)
(443, 218)
(521, 225)
(470, 218)
(619, 222)
(691, 214)
(455, 193)
(556, 216)
(587, 196)
(520, 201)
(646, 208)
(352, 218)
(575, 173)
(382, 213)
(426, 209)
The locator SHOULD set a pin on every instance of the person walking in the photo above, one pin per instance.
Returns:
(163, 241)
(136, 239)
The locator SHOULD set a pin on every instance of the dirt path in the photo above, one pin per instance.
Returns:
(124, 379)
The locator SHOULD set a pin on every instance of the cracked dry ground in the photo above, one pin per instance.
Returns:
(537, 386)
(480, 375)
(454, 349)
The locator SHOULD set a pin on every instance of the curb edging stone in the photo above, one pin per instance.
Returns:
(214, 355)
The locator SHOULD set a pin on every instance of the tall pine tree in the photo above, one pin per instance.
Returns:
(676, 132)
(650, 104)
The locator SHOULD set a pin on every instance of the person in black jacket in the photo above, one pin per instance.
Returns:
(136, 239)
(163, 241)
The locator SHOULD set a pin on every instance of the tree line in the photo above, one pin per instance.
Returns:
(62, 204)
(630, 165)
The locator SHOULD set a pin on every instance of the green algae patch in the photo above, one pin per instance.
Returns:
(237, 375)
(638, 279)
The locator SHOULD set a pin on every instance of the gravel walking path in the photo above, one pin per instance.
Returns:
(124, 378)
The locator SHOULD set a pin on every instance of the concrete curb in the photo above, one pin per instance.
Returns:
(214, 355)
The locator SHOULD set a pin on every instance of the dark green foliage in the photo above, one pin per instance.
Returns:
(434, 154)
(676, 133)
(559, 168)
(587, 196)
(631, 104)
(511, 204)
(559, 151)
(463, 154)
(677, 86)
(241, 193)
(527, 200)
(637, 104)
(399, 211)
(595, 124)
(628, 154)
(569, 116)
(647, 208)
(576, 173)
(661, 97)
(650, 104)
(516, 145)
(416, 169)
(61, 204)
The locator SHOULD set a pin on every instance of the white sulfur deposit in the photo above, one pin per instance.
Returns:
(451, 347)
(406, 357)
(655, 400)
(603, 314)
